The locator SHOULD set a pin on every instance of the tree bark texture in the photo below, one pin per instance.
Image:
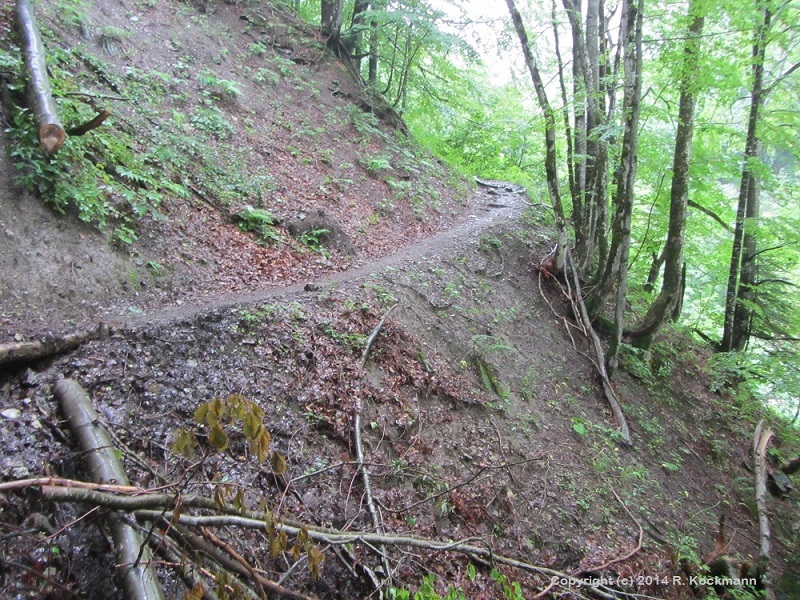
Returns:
(331, 17)
(137, 577)
(743, 312)
(51, 133)
(662, 308)
(615, 265)
(625, 175)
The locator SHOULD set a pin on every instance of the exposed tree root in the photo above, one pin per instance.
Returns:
(583, 315)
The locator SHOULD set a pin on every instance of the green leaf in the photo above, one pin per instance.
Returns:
(278, 463)
(315, 558)
(218, 438)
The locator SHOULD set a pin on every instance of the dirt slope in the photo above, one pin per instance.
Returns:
(482, 416)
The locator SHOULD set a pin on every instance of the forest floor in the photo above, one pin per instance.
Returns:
(482, 417)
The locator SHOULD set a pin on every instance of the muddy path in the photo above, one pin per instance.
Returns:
(492, 203)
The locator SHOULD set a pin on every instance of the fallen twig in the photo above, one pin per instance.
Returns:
(343, 538)
(20, 484)
(373, 336)
(638, 547)
(165, 547)
(238, 558)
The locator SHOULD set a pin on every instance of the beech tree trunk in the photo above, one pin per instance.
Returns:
(357, 31)
(736, 334)
(331, 17)
(671, 288)
(51, 133)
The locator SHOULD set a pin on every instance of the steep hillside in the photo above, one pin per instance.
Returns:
(214, 115)
(495, 465)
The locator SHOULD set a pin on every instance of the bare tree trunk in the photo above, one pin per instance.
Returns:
(51, 132)
(372, 76)
(331, 18)
(748, 180)
(662, 308)
(551, 170)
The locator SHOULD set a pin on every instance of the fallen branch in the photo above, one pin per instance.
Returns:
(761, 440)
(373, 336)
(22, 352)
(253, 520)
(605, 565)
(611, 396)
(164, 546)
(344, 538)
(377, 524)
(89, 125)
(138, 579)
(21, 484)
(45, 112)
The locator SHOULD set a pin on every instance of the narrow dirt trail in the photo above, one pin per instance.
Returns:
(492, 203)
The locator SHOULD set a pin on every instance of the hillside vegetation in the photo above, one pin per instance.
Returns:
(301, 300)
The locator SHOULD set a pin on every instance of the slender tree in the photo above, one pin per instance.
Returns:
(672, 256)
(736, 330)
(551, 169)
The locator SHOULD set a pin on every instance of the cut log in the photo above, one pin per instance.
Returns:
(51, 133)
(138, 580)
(22, 352)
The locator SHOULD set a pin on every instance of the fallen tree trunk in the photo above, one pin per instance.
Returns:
(138, 580)
(761, 440)
(20, 352)
(51, 133)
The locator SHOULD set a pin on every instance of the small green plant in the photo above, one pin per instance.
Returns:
(579, 426)
(211, 120)
(314, 238)
(489, 241)
(257, 48)
(374, 164)
(512, 590)
(268, 76)
(217, 88)
(260, 222)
